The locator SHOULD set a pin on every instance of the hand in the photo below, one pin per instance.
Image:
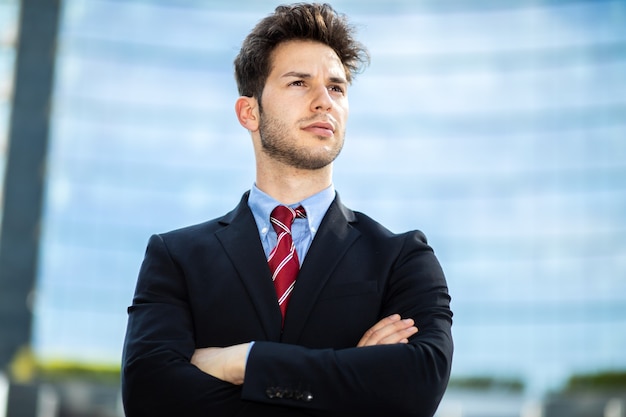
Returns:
(227, 363)
(388, 331)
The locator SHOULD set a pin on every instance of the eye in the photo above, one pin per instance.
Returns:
(298, 83)
(336, 89)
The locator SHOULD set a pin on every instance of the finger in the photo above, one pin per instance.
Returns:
(378, 326)
(400, 336)
(392, 333)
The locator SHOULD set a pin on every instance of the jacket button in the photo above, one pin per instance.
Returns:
(307, 396)
(271, 392)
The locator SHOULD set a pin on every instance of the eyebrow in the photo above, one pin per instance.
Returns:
(306, 76)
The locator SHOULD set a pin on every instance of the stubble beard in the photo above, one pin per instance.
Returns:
(279, 145)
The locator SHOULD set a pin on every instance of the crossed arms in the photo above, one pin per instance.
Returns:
(229, 363)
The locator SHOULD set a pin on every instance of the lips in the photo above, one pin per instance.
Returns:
(325, 129)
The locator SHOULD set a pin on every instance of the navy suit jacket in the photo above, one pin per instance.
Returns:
(210, 285)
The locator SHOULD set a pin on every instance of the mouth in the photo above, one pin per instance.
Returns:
(321, 128)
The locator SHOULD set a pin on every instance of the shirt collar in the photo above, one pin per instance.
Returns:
(316, 206)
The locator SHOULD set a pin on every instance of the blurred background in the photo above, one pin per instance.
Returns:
(500, 125)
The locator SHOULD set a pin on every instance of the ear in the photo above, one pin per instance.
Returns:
(247, 112)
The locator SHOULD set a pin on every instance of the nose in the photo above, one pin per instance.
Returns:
(322, 101)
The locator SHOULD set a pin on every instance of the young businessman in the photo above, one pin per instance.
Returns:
(308, 309)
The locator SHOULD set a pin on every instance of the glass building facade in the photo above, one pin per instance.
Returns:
(9, 11)
(497, 128)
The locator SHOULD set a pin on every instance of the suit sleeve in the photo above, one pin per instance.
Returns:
(157, 377)
(399, 380)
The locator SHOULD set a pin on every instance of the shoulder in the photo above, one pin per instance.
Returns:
(203, 228)
(185, 240)
(374, 230)
(204, 231)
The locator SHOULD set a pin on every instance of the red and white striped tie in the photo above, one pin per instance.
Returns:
(283, 259)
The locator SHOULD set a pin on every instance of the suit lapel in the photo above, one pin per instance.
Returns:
(332, 241)
(240, 240)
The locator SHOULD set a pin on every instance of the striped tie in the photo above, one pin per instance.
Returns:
(283, 259)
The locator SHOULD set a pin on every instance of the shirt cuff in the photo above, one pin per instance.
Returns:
(249, 349)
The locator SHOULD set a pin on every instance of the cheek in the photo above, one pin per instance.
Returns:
(342, 109)
(276, 111)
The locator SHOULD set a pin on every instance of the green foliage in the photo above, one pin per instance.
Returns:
(25, 367)
(485, 383)
(601, 381)
(63, 371)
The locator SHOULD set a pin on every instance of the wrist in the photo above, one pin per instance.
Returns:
(237, 367)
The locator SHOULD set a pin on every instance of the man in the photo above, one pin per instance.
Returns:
(217, 325)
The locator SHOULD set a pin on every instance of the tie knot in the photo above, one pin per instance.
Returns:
(282, 217)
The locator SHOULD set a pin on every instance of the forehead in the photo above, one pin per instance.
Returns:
(305, 56)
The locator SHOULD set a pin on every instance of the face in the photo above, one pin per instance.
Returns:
(304, 106)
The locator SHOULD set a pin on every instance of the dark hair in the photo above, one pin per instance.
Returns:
(301, 21)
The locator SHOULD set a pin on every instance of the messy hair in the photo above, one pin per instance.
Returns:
(301, 21)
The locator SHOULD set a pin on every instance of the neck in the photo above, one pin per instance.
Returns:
(290, 185)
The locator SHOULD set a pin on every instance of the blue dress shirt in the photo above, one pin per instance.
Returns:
(303, 230)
